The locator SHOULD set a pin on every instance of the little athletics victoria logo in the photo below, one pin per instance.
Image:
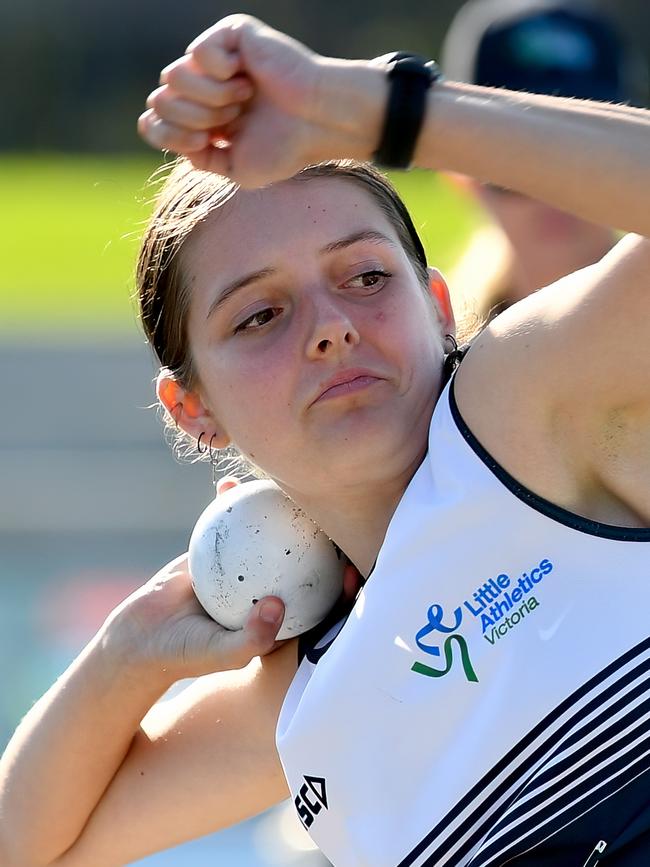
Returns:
(500, 604)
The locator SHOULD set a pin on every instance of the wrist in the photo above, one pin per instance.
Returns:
(411, 78)
(124, 653)
(350, 104)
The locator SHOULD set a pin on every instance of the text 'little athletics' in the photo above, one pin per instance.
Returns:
(496, 598)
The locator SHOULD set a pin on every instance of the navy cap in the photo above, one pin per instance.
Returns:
(541, 46)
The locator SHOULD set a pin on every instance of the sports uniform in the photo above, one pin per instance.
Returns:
(487, 700)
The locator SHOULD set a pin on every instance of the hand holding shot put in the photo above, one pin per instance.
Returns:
(474, 705)
(255, 542)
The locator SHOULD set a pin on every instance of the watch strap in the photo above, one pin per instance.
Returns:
(410, 77)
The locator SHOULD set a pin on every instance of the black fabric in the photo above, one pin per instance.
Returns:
(308, 640)
(573, 835)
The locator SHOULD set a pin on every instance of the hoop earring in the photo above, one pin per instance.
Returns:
(200, 450)
(453, 358)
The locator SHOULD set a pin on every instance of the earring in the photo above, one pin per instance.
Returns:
(454, 357)
(213, 455)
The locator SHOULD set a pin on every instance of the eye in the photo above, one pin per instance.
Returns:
(374, 279)
(258, 320)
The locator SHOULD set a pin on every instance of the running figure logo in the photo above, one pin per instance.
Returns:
(435, 624)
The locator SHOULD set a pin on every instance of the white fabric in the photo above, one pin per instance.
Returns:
(398, 749)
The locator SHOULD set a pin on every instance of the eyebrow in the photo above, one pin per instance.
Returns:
(263, 273)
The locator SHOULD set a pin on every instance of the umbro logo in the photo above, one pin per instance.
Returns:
(311, 799)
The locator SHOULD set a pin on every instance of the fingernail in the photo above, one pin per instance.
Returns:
(270, 612)
(155, 132)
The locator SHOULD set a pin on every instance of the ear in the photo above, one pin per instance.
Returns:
(188, 410)
(440, 291)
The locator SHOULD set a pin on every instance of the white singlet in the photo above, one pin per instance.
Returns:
(487, 700)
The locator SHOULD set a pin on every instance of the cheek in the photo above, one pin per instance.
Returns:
(250, 387)
(411, 322)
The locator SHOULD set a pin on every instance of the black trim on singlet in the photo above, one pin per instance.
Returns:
(556, 513)
(308, 640)
(519, 772)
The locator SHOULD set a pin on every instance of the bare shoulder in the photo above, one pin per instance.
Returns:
(202, 761)
(586, 335)
(557, 388)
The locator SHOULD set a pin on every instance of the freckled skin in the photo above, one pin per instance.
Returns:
(260, 385)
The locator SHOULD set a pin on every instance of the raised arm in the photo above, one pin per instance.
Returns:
(84, 782)
(278, 107)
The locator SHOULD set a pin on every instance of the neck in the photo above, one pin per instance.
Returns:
(357, 517)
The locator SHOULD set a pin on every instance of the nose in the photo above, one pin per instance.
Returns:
(333, 331)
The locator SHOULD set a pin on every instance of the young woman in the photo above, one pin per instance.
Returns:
(485, 700)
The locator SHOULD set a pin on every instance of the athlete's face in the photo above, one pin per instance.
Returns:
(317, 351)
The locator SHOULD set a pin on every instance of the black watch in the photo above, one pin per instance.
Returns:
(410, 78)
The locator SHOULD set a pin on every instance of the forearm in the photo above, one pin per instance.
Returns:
(66, 751)
(587, 159)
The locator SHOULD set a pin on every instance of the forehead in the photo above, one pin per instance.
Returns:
(288, 219)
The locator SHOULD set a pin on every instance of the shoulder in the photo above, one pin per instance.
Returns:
(582, 338)
(542, 382)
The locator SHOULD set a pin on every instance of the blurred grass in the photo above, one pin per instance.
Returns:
(70, 225)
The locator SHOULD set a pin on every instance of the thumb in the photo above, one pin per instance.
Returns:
(263, 624)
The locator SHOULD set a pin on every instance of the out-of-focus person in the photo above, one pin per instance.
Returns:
(566, 49)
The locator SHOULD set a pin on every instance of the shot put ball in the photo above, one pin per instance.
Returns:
(253, 541)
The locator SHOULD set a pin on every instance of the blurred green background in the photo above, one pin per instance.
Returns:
(71, 225)
(73, 172)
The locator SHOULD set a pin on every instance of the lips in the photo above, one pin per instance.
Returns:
(346, 382)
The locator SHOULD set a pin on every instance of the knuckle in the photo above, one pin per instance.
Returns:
(243, 19)
(174, 73)
(203, 53)
(158, 99)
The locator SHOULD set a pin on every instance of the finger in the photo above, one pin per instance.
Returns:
(226, 483)
(187, 81)
(212, 159)
(224, 37)
(352, 581)
(186, 113)
(163, 135)
(260, 630)
(213, 58)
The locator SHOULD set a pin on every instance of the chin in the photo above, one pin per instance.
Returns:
(376, 451)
